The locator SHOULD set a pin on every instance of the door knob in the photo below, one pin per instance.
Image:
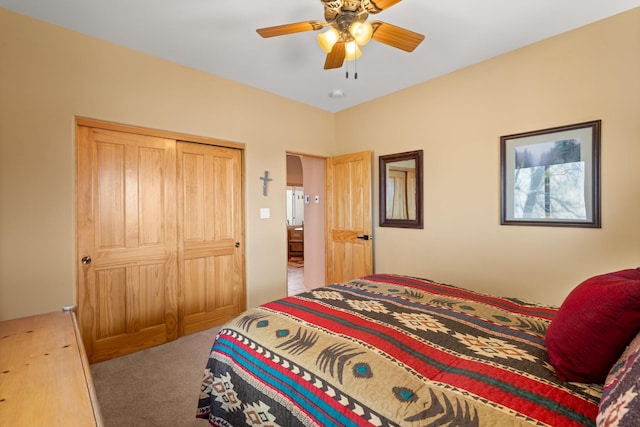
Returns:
(86, 260)
(363, 237)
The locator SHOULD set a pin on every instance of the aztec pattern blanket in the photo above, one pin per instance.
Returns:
(389, 350)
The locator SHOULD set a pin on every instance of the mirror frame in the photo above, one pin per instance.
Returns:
(418, 222)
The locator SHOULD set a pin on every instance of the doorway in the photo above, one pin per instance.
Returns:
(305, 222)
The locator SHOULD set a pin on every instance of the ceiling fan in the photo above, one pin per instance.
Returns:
(350, 30)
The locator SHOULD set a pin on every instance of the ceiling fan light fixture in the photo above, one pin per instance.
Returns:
(348, 30)
(352, 51)
(327, 39)
(361, 32)
(332, 4)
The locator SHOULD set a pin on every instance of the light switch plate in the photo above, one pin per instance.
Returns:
(265, 213)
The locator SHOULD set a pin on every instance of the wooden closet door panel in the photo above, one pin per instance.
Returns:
(210, 236)
(202, 276)
(127, 226)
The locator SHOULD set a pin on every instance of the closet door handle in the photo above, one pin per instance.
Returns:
(363, 237)
(86, 260)
(237, 245)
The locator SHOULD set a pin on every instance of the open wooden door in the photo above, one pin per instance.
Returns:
(349, 245)
(126, 241)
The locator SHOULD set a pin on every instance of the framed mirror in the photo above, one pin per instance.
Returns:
(401, 190)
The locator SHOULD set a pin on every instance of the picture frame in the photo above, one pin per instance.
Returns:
(551, 177)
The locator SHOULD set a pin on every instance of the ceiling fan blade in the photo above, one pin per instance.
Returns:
(335, 58)
(385, 4)
(298, 27)
(377, 6)
(397, 37)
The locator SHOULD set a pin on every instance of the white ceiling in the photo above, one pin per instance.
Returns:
(219, 37)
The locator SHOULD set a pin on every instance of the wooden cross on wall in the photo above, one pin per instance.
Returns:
(265, 180)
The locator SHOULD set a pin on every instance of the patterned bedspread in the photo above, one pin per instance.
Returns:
(388, 350)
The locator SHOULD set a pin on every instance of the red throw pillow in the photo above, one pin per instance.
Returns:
(594, 324)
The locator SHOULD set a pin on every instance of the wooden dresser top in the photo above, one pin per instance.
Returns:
(44, 374)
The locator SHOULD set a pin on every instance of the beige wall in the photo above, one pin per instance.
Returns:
(587, 74)
(294, 171)
(49, 75)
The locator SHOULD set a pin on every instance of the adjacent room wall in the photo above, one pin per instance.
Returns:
(50, 75)
(586, 74)
(314, 253)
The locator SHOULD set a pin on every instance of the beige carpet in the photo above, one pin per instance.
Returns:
(156, 387)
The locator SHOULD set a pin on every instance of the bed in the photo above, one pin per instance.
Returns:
(392, 350)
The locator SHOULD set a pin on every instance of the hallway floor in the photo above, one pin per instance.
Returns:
(295, 280)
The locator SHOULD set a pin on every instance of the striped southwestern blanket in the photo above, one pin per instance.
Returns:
(389, 350)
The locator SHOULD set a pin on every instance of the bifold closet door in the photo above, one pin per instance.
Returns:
(210, 236)
(127, 241)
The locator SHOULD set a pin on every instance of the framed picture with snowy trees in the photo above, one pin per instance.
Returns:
(551, 176)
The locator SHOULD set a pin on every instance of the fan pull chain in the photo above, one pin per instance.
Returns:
(355, 64)
(355, 76)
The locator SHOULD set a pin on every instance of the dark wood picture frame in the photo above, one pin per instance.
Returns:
(551, 177)
(411, 201)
